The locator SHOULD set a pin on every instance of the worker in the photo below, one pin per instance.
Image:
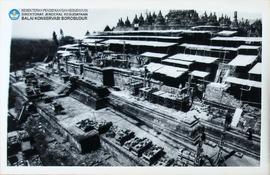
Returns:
(202, 131)
(240, 124)
(250, 133)
(74, 70)
(145, 70)
(160, 85)
(192, 95)
(228, 120)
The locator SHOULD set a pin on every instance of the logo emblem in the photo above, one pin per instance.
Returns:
(14, 14)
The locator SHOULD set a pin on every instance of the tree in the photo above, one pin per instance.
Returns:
(61, 33)
(61, 37)
(55, 39)
(67, 40)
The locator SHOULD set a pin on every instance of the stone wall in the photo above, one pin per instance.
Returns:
(20, 99)
(53, 121)
(124, 157)
(121, 79)
(93, 74)
(159, 122)
(88, 100)
(234, 140)
(73, 68)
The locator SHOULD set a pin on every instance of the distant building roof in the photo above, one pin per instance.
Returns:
(154, 54)
(152, 67)
(249, 47)
(139, 43)
(227, 33)
(69, 46)
(217, 85)
(194, 58)
(159, 31)
(200, 74)
(66, 54)
(244, 82)
(171, 71)
(72, 61)
(26, 146)
(92, 40)
(243, 60)
(179, 62)
(206, 26)
(207, 47)
(62, 51)
(93, 44)
(238, 38)
(134, 37)
(13, 134)
(257, 69)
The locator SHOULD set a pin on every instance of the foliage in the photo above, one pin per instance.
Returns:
(67, 40)
(30, 50)
(61, 33)
(55, 39)
(31, 126)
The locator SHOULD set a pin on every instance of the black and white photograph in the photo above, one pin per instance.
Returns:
(144, 87)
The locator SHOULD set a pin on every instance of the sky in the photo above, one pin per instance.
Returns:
(97, 21)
